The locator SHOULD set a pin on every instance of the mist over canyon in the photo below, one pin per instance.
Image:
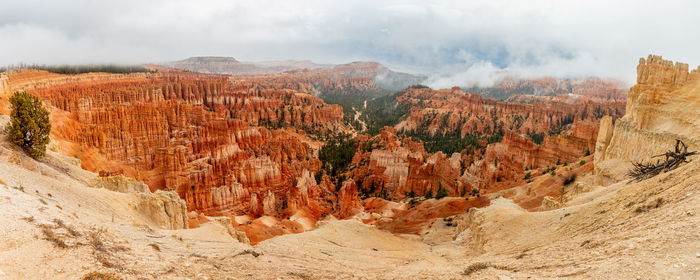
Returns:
(349, 140)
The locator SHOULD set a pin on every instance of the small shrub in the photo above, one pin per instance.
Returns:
(101, 276)
(655, 204)
(429, 194)
(581, 163)
(475, 267)
(95, 240)
(249, 252)
(569, 178)
(29, 124)
(441, 192)
(50, 235)
(474, 192)
(60, 224)
(587, 153)
(528, 175)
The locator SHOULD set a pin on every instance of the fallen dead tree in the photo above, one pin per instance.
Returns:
(642, 171)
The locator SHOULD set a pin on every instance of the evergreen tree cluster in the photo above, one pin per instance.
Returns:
(337, 153)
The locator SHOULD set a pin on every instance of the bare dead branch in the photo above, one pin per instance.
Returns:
(672, 159)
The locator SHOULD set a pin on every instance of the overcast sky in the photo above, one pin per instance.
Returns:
(455, 42)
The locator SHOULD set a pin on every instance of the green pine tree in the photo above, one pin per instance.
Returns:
(429, 194)
(441, 192)
(29, 124)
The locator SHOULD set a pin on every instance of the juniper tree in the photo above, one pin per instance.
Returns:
(29, 124)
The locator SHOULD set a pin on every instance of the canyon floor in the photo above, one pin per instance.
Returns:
(58, 227)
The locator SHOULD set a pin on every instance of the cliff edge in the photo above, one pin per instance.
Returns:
(661, 107)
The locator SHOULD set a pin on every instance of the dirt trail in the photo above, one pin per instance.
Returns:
(358, 115)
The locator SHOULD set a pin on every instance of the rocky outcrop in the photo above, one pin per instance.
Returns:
(163, 209)
(605, 133)
(238, 235)
(567, 132)
(662, 107)
(505, 163)
(394, 168)
(120, 183)
(348, 200)
(454, 112)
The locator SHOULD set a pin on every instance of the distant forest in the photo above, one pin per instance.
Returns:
(80, 69)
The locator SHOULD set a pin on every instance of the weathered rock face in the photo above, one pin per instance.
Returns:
(198, 135)
(570, 90)
(505, 163)
(452, 111)
(348, 200)
(164, 209)
(394, 168)
(663, 106)
(568, 132)
(120, 183)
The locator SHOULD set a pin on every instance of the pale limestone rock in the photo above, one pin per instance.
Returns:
(238, 235)
(605, 132)
(550, 203)
(663, 106)
(120, 183)
(163, 209)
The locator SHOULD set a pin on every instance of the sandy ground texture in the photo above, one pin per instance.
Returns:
(55, 226)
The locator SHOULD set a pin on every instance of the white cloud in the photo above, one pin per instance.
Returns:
(454, 41)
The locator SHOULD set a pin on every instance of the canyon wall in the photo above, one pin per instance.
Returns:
(663, 106)
(589, 89)
(396, 167)
(495, 140)
(504, 164)
(247, 147)
(226, 148)
(454, 112)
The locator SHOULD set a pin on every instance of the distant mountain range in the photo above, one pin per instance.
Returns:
(231, 66)
(383, 76)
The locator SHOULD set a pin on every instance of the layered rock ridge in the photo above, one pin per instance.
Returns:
(227, 147)
(661, 108)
